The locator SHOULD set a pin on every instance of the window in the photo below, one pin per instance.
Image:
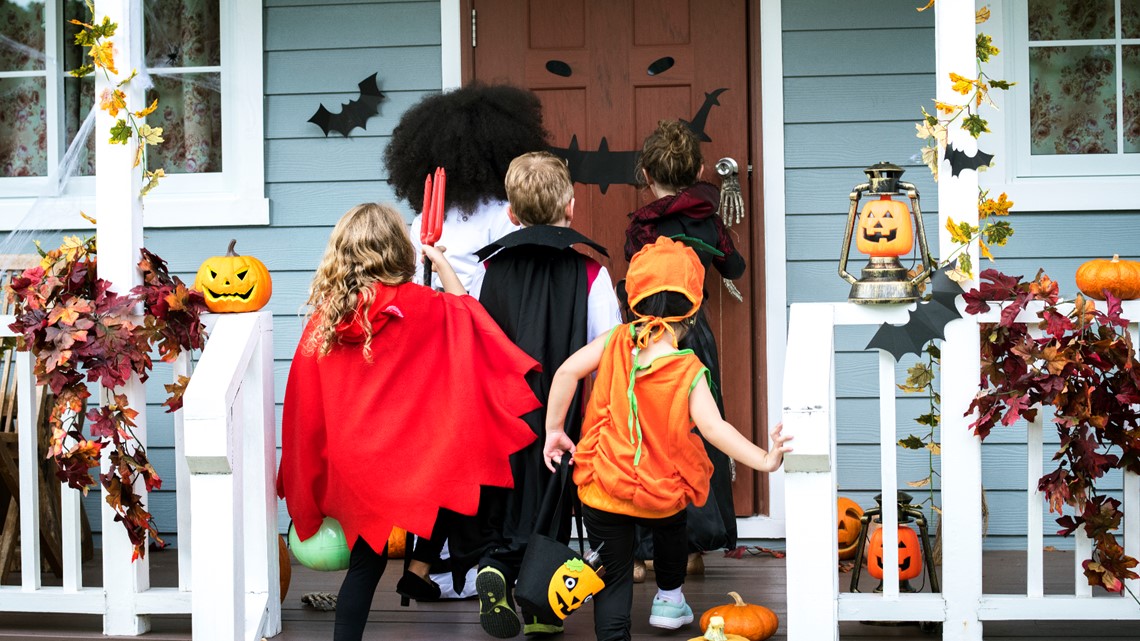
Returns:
(207, 77)
(1072, 123)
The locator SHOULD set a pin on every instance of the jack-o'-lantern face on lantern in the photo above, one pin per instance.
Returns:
(884, 228)
(234, 283)
(572, 585)
(910, 554)
(849, 527)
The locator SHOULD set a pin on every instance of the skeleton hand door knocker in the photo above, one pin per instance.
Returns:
(731, 208)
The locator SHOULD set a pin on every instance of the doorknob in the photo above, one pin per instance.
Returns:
(731, 208)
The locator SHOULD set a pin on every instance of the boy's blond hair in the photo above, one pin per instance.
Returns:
(539, 188)
(368, 245)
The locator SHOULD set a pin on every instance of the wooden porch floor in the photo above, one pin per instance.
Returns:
(759, 579)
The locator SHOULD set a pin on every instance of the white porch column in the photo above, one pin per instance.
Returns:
(119, 234)
(954, 33)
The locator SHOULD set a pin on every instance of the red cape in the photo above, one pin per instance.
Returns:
(423, 426)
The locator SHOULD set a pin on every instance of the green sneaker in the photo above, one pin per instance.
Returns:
(496, 607)
(670, 616)
(535, 628)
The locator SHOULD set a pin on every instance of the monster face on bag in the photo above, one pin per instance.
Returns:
(572, 585)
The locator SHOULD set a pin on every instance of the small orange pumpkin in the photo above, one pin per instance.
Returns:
(234, 283)
(397, 541)
(286, 572)
(884, 228)
(849, 527)
(754, 622)
(1118, 276)
(910, 554)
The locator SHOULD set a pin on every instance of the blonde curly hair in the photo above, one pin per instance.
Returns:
(369, 244)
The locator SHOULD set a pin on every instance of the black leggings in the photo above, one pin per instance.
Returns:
(670, 548)
(365, 567)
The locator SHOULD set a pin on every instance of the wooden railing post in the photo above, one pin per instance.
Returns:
(119, 232)
(809, 475)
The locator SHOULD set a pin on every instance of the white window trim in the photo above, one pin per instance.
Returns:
(235, 196)
(1011, 172)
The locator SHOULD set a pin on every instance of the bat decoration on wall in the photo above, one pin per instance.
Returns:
(604, 167)
(354, 113)
(959, 160)
(927, 321)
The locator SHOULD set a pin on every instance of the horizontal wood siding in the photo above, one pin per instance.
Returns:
(315, 53)
(855, 75)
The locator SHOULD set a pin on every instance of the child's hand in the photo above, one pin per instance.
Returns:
(435, 255)
(557, 444)
(776, 447)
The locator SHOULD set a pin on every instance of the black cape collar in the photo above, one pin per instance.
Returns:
(542, 235)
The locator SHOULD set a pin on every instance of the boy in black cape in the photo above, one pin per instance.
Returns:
(550, 300)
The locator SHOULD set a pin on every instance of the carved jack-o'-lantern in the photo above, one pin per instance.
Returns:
(572, 585)
(884, 228)
(849, 527)
(910, 554)
(234, 283)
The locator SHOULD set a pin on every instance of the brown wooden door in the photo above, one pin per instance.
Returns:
(606, 72)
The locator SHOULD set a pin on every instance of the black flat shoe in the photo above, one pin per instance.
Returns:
(413, 587)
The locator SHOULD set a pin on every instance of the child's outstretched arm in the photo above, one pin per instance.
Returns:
(724, 437)
(562, 387)
(447, 275)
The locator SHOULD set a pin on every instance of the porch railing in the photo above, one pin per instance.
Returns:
(815, 605)
(225, 452)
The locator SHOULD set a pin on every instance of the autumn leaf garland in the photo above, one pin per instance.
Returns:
(81, 331)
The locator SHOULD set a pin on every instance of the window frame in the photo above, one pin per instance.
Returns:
(233, 196)
(1045, 183)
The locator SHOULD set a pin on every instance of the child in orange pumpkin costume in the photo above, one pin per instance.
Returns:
(638, 461)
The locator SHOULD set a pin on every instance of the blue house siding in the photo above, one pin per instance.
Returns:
(315, 53)
(855, 75)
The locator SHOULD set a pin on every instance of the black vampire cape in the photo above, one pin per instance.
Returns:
(536, 288)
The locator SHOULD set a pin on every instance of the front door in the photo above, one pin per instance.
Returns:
(606, 72)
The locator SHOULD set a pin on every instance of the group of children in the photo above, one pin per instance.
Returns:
(443, 412)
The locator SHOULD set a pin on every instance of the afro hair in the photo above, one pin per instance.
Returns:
(473, 133)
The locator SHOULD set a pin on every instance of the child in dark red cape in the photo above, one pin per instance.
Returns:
(401, 401)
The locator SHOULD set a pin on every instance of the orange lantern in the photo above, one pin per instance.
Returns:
(910, 554)
(884, 232)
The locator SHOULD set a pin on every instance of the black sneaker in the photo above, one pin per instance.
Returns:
(412, 586)
(496, 607)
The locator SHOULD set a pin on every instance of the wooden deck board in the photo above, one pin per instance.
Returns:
(759, 579)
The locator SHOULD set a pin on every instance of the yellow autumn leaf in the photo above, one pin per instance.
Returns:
(929, 4)
(930, 159)
(946, 108)
(957, 233)
(919, 483)
(985, 250)
(982, 15)
(103, 55)
(152, 178)
(139, 152)
(961, 84)
(149, 110)
(151, 135)
(89, 219)
(934, 448)
(112, 101)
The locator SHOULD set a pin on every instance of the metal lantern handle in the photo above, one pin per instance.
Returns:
(928, 264)
(855, 194)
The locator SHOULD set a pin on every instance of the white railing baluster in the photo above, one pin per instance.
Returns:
(1035, 499)
(1132, 522)
(889, 475)
(182, 486)
(27, 403)
(72, 539)
(1083, 551)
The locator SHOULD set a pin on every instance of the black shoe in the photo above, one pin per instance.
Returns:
(496, 607)
(413, 587)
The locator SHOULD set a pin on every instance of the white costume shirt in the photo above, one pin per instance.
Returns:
(462, 238)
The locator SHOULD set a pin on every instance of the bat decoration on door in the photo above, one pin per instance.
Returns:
(959, 160)
(354, 113)
(927, 321)
(604, 167)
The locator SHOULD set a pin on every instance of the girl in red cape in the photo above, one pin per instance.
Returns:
(401, 401)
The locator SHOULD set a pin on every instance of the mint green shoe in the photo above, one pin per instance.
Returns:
(496, 608)
(669, 615)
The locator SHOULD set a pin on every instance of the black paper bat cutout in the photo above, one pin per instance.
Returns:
(354, 113)
(959, 160)
(604, 167)
(927, 321)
